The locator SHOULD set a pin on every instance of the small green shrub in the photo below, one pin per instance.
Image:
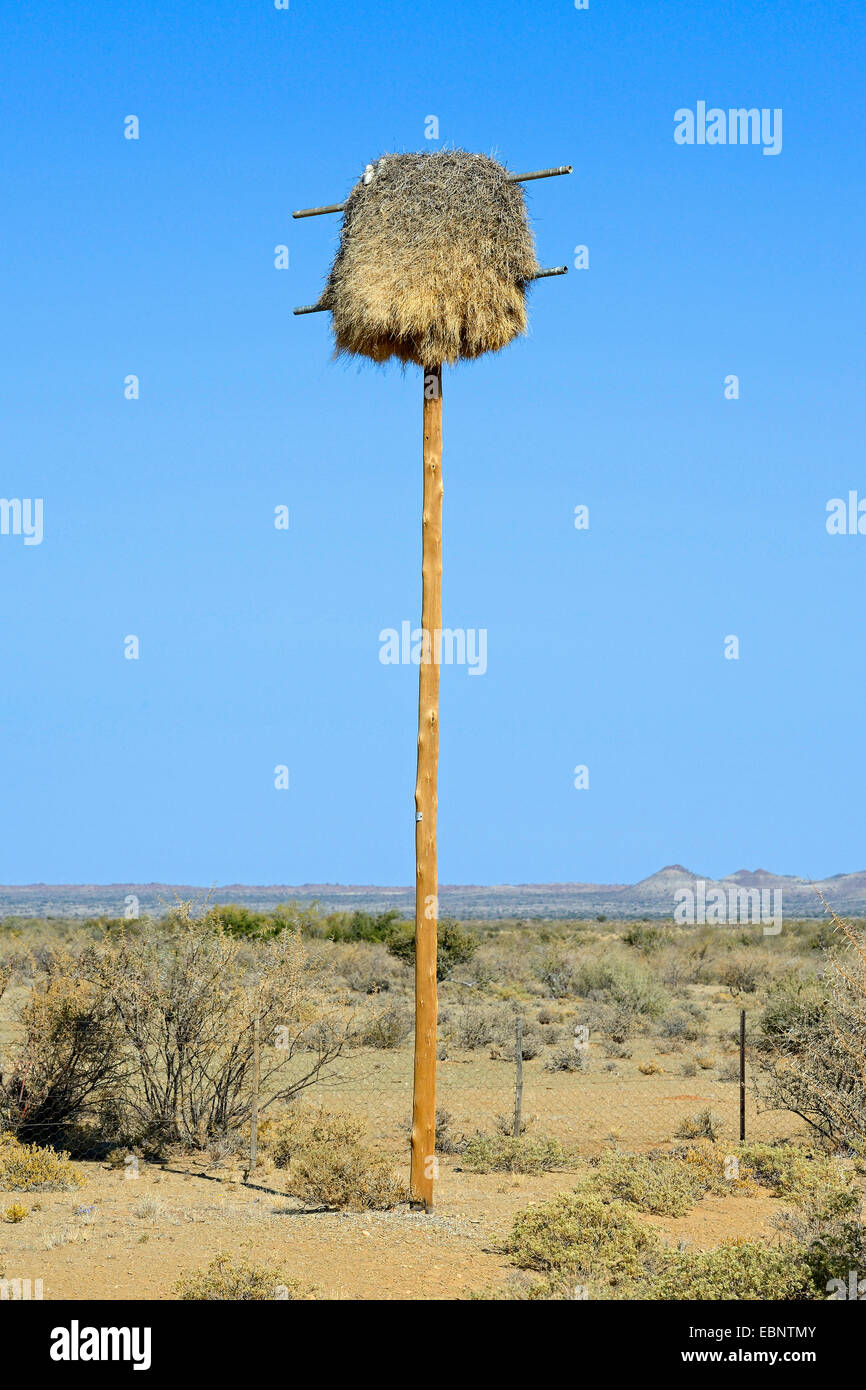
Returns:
(330, 1163)
(501, 1153)
(744, 1270)
(365, 926)
(830, 1232)
(651, 1182)
(580, 1235)
(790, 1171)
(646, 939)
(455, 945)
(624, 981)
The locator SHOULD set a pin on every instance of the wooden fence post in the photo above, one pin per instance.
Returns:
(518, 1086)
(742, 1076)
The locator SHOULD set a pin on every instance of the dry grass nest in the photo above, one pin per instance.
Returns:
(434, 257)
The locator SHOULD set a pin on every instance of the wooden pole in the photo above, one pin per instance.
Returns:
(742, 1076)
(518, 1085)
(426, 881)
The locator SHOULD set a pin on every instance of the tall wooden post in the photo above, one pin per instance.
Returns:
(426, 880)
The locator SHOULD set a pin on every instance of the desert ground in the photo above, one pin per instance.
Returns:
(651, 1012)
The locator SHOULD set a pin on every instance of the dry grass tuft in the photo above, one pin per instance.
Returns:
(435, 253)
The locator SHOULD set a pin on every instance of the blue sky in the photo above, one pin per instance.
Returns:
(260, 647)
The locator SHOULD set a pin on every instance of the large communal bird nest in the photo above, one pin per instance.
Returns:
(435, 254)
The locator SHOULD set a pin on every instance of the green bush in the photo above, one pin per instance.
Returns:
(651, 1182)
(501, 1153)
(623, 981)
(828, 1229)
(243, 921)
(744, 1270)
(330, 1162)
(363, 926)
(556, 972)
(795, 1009)
(455, 945)
(646, 939)
(786, 1169)
(580, 1235)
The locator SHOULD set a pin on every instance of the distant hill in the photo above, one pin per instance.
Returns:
(655, 896)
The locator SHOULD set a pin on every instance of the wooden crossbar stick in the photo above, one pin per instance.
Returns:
(512, 178)
(539, 275)
(317, 212)
(541, 174)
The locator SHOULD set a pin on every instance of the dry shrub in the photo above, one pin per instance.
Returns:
(384, 1028)
(500, 1153)
(32, 1168)
(581, 1236)
(742, 971)
(187, 999)
(713, 1170)
(686, 1025)
(745, 1270)
(435, 253)
(812, 1044)
(237, 1281)
(69, 1057)
(531, 1040)
(470, 1026)
(150, 1034)
(566, 1059)
(330, 1161)
(703, 1125)
(366, 967)
(651, 1182)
